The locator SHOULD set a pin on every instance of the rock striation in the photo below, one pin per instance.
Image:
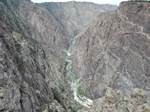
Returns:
(110, 57)
(75, 16)
(32, 65)
(52, 30)
(114, 51)
(27, 77)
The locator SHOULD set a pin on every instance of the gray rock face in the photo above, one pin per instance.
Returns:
(115, 51)
(27, 78)
(115, 101)
(75, 16)
(52, 25)
(32, 66)
(23, 73)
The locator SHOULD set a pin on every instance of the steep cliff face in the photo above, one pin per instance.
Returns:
(74, 16)
(51, 25)
(115, 51)
(27, 78)
(48, 32)
(44, 27)
(24, 73)
(32, 65)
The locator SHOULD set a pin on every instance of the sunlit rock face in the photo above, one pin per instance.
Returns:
(115, 51)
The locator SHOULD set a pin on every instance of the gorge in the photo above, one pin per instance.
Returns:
(74, 56)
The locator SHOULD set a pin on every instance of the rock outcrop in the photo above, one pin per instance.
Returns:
(25, 72)
(115, 101)
(27, 78)
(114, 51)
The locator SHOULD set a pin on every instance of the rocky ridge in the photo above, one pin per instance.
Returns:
(70, 14)
(114, 51)
(111, 57)
(32, 65)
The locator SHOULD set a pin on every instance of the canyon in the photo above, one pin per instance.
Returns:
(74, 57)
